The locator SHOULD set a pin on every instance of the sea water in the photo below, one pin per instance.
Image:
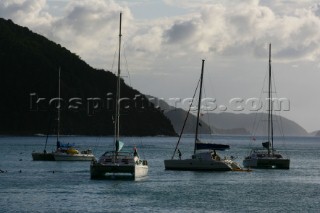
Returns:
(40, 186)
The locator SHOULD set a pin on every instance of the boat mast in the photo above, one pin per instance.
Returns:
(199, 107)
(58, 110)
(270, 118)
(117, 115)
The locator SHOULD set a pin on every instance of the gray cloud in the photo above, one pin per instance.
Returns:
(30, 13)
(231, 29)
(181, 31)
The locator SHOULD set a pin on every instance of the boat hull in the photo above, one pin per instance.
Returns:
(132, 171)
(196, 165)
(141, 171)
(41, 156)
(72, 157)
(267, 163)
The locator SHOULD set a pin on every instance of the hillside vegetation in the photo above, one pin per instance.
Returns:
(29, 84)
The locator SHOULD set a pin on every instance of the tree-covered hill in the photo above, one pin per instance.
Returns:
(29, 91)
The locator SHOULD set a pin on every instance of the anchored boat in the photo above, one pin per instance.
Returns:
(268, 157)
(201, 160)
(117, 163)
(63, 152)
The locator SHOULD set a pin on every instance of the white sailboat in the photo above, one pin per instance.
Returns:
(267, 158)
(117, 163)
(67, 152)
(63, 152)
(207, 160)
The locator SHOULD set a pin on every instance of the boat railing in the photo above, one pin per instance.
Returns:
(118, 154)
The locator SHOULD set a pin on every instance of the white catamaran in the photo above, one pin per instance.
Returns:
(117, 163)
(267, 158)
(201, 160)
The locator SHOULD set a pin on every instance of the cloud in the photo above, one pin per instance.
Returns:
(87, 27)
(217, 29)
(181, 31)
(90, 28)
(233, 29)
(29, 13)
(246, 29)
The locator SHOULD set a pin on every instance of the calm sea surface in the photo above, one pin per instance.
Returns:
(39, 186)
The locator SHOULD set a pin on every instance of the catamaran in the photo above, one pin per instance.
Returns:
(201, 160)
(267, 158)
(117, 163)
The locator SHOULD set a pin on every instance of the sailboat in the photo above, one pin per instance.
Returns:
(67, 152)
(267, 158)
(45, 155)
(205, 156)
(116, 163)
(63, 152)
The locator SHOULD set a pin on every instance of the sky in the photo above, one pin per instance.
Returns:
(164, 42)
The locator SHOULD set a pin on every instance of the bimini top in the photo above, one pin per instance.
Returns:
(211, 146)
